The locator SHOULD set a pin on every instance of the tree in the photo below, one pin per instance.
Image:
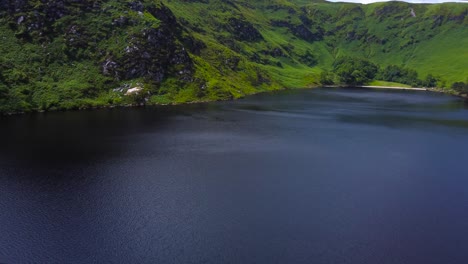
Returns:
(460, 87)
(355, 71)
(430, 81)
(3, 91)
(399, 74)
(3, 84)
(326, 78)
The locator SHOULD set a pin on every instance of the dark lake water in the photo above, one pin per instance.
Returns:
(303, 176)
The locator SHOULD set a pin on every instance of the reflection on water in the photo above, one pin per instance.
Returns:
(303, 176)
(401, 121)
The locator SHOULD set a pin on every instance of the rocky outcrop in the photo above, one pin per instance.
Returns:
(301, 31)
(13, 6)
(152, 55)
(304, 33)
(459, 18)
(35, 19)
(243, 30)
(275, 52)
(64, 54)
(155, 53)
(133, 91)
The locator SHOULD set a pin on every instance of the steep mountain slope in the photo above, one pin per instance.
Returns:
(68, 54)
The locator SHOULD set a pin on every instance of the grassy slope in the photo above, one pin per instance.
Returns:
(389, 84)
(293, 73)
(442, 51)
(413, 42)
(448, 56)
(40, 76)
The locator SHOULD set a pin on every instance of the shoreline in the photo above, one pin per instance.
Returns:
(436, 90)
(394, 88)
(380, 87)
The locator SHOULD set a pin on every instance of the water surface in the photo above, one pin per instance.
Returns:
(303, 176)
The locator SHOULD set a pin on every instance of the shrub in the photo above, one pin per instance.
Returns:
(326, 78)
(430, 81)
(460, 87)
(355, 71)
(399, 74)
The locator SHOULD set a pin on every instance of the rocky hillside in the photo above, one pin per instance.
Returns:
(70, 54)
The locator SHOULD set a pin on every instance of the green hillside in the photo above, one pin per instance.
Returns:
(71, 54)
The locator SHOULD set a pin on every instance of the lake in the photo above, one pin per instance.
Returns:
(298, 176)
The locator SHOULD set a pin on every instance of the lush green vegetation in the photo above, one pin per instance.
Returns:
(72, 54)
(388, 84)
(393, 73)
(461, 87)
(354, 71)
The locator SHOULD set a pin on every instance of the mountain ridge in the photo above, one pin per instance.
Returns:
(71, 54)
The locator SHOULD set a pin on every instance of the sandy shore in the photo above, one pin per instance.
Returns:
(436, 90)
(393, 87)
(380, 87)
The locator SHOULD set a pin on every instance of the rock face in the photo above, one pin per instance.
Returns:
(155, 52)
(301, 31)
(70, 54)
(153, 55)
(243, 30)
(13, 6)
(38, 17)
(87, 47)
